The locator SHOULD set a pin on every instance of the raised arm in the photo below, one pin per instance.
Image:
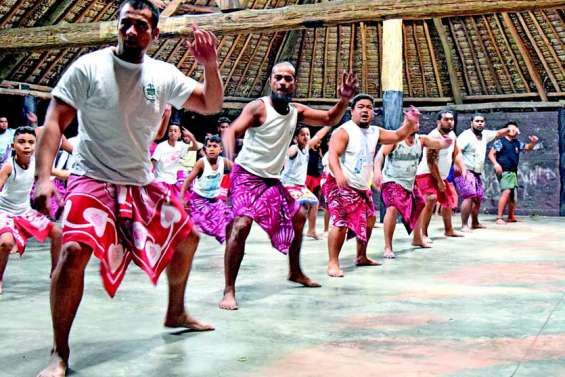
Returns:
(207, 97)
(338, 143)
(531, 145)
(59, 116)
(511, 130)
(318, 136)
(435, 142)
(410, 125)
(253, 114)
(332, 116)
(193, 142)
(164, 123)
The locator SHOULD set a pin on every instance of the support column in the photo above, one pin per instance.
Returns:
(561, 129)
(391, 79)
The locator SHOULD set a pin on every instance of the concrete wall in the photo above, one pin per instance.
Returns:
(538, 175)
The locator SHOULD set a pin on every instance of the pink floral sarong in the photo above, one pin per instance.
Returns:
(211, 216)
(29, 224)
(409, 204)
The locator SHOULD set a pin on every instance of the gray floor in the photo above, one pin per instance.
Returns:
(490, 304)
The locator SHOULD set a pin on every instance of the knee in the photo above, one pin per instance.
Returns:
(241, 224)
(431, 199)
(300, 216)
(56, 233)
(193, 236)
(6, 243)
(73, 256)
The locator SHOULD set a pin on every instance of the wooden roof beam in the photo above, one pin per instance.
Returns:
(455, 90)
(266, 20)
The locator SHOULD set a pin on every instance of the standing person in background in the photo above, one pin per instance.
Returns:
(6, 139)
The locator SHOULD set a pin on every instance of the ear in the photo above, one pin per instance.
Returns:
(156, 33)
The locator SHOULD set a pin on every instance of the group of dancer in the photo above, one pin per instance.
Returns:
(123, 205)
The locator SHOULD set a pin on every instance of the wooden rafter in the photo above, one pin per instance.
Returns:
(406, 62)
(246, 68)
(478, 68)
(337, 59)
(455, 90)
(526, 56)
(548, 45)
(230, 51)
(239, 56)
(351, 48)
(365, 69)
(175, 49)
(420, 62)
(326, 37)
(490, 64)
(64, 14)
(312, 58)
(461, 55)
(494, 44)
(380, 41)
(13, 10)
(433, 58)
(511, 52)
(171, 8)
(262, 64)
(29, 13)
(553, 31)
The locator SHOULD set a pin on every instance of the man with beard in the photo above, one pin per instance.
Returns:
(351, 156)
(431, 180)
(257, 193)
(473, 145)
(114, 209)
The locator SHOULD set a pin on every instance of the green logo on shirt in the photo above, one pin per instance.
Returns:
(150, 92)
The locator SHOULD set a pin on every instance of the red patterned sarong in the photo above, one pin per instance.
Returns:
(313, 183)
(121, 223)
(409, 204)
(211, 216)
(29, 224)
(348, 207)
(428, 186)
(267, 202)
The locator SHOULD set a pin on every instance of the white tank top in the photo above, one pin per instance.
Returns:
(15, 195)
(402, 163)
(295, 170)
(265, 147)
(445, 156)
(208, 184)
(357, 161)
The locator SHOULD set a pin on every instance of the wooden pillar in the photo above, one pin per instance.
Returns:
(561, 129)
(391, 77)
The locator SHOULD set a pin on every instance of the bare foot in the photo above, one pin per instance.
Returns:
(422, 244)
(364, 261)
(56, 367)
(314, 236)
(389, 254)
(499, 221)
(428, 240)
(465, 229)
(512, 220)
(304, 280)
(186, 321)
(228, 302)
(334, 271)
(453, 234)
(478, 226)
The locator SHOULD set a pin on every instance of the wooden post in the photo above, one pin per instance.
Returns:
(392, 73)
(561, 128)
(449, 60)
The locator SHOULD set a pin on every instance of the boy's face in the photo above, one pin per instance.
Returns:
(213, 149)
(303, 136)
(174, 132)
(24, 145)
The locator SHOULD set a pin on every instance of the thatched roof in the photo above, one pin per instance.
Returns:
(496, 57)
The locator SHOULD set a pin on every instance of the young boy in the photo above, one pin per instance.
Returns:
(166, 159)
(18, 221)
(209, 211)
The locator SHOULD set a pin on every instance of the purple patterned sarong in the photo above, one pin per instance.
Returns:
(470, 186)
(266, 201)
(211, 216)
(409, 204)
(349, 208)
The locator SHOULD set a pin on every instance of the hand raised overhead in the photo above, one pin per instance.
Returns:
(203, 46)
(348, 85)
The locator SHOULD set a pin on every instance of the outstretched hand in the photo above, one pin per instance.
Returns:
(203, 47)
(533, 139)
(412, 117)
(348, 85)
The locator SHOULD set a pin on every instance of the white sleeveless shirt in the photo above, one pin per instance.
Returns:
(296, 168)
(402, 163)
(208, 184)
(357, 161)
(445, 156)
(15, 195)
(265, 147)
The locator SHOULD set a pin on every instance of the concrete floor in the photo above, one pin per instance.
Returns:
(491, 304)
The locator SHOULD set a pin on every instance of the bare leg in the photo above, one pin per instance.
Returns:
(420, 237)
(466, 207)
(312, 214)
(362, 259)
(235, 249)
(67, 286)
(475, 215)
(295, 273)
(336, 238)
(502, 202)
(177, 274)
(6, 245)
(389, 226)
(56, 236)
(512, 208)
(447, 216)
(326, 221)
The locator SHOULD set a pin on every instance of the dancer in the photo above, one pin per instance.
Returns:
(294, 175)
(113, 208)
(505, 156)
(473, 146)
(166, 159)
(396, 182)
(351, 157)
(208, 210)
(18, 221)
(431, 180)
(256, 191)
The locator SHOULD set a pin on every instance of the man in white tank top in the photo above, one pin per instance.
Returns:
(347, 187)
(256, 191)
(119, 94)
(431, 180)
